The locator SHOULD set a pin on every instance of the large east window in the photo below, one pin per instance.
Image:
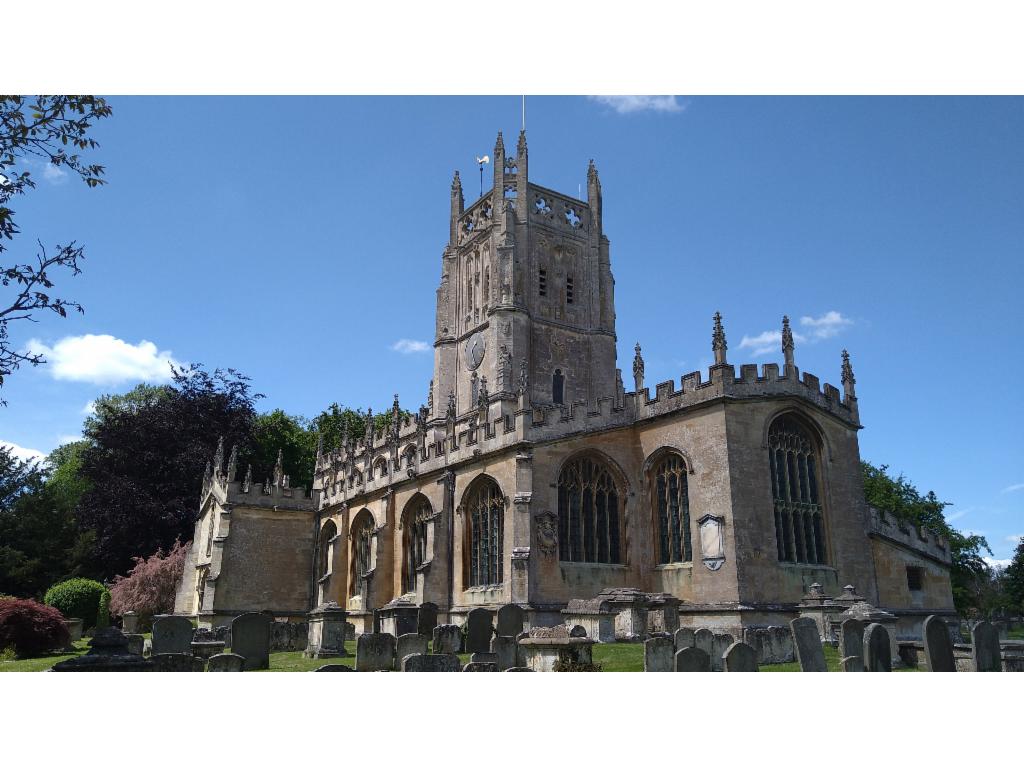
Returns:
(484, 510)
(799, 519)
(588, 513)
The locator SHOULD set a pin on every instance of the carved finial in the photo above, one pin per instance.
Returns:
(522, 142)
(319, 447)
(456, 184)
(592, 173)
(848, 380)
(638, 368)
(787, 341)
(207, 476)
(232, 465)
(369, 426)
(718, 343)
(247, 482)
(218, 458)
(430, 396)
(279, 468)
(499, 145)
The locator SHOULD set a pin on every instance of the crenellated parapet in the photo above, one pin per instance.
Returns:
(221, 484)
(920, 540)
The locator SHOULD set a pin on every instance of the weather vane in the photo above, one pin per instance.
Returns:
(481, 161)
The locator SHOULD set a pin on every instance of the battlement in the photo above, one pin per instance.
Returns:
(557, 211)
(220, 483)
(923, 541)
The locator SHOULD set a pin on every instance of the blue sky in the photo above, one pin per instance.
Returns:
(299, 240)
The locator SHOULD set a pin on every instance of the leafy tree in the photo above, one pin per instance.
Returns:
(78, 599)
(291, 435)
(39, 128)
(31, 629)
(150, 585)
(969, 573)
(1013, 580)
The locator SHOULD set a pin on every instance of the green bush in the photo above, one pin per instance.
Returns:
(77, 599)
(103, 615)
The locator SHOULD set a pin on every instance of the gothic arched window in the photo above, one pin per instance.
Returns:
(588, 513)
(362, 540)
(484, 511)
(799, 521)
(325, 550)
(414, 540)
(670, 495)
(557, 387)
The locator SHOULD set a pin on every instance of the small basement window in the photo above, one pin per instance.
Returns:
(914, 578)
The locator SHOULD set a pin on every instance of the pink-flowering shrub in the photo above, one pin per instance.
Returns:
(150, 585)
(30, 628)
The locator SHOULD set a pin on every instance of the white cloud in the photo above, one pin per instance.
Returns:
(625, 105)
(826, 326)
(1015, 538)
(815, 329)
(20, 452)
(54, 173)
(410, 346)
(763, 343)
(104, 359)
(993, 562)
(89, 409)
(1014, 487)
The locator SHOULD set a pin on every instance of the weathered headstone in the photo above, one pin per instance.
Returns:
(877, 651)
(375, 652)
(478, 631)
(577, 630)
(136, 644)
(177, 662)
(130, 622)
(325, 632)
(426, 619)
(808, 645)
(511, 619)
(484, 658)
(851, 664)
(250, 637)
(705, 640)
(447, 639)
(172, 634)
(851, 639)
(480, 666)
(693, 659)
(226, 662)
(684, 638)
(658, 655)
(985, 652)
(504, 650)
(334, 668)
(409, 644)
(938, 650)
(740, 657)
(719, 644)
(519, 669)
(435, 662)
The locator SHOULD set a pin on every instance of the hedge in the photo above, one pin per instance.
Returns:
(77, 599)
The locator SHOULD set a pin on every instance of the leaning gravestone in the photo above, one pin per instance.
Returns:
(226, 662)
(877, 652)
(409, 644)
(684, 638)
(985, 650)
(740, 657)
(375, 652)
(705, 640)
(435, 662)
(658, 655)
(511, 619)
(447, 639)
(480, 666)
(851, 640)
(478, 631)
(172, 634)
(808, 645)
(719, 645)
(426, 619)
(250, 637)
(692, 659)
(504, 650)
(938, 649)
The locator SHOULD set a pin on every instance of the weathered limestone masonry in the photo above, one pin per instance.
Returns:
(532, 477)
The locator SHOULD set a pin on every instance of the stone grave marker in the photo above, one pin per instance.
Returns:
(938, 649)
(484, 658)
(692, 659)
(519, 669)
(877, 652)
(334, 668)
(740, 657)
(659, 655)
(177, 662)
(226, 662)
(250, 637)
(172, 634)
(851, 639)
(504, 650)
(426, 619)
(705, 640)
(435, 662)
(136, 644)
(719, 645)
(478, 631)
(684, 638)
(409, 644)
(480, 666)
(985, 652)
(375, 652)
(511, 619)
(851, 664)
(447, 639)
(808, 645)
(577, 630)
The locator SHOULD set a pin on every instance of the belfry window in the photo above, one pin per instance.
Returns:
(542, 282)
(672, 510)
(557, 387)
(799, 523)
(484, 510)
(569, 292)
(588, 513)
(414, 540)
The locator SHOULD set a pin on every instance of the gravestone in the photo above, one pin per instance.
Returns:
(375, 652)
(177, 662)
(938, 650)
(851, 664)
(172, 634)
(334, 668)
(808, 645)
(480, 666)
(740, 657)
(325, 632)
(705, 640)
(504, 650)
(409, 644)
(519, 669)
(250, 637)
(684, 638)
(511, 619)
(130, 622)
(108, 652)
(719, 644)
(226, 662)
(877, 652)
(478, 631)
(577, 630)
(693, 659)
(136, 644)
(426, 619)
(435, 662)
(447, 639)
(658, 655)
(985, 651)
(851, 639)
(484, 658)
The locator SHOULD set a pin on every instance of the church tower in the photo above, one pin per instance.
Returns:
(526, 295)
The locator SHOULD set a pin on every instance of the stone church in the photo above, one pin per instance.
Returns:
(532, 476)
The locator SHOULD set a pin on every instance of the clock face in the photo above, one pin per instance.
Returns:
(474, 350)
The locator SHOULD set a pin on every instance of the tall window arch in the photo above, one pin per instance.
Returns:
(799, 518)
(557, 387)
(484, 511)
(670, 496)
(588, 513)
(362, 540)
(414, 539)
(325, 550)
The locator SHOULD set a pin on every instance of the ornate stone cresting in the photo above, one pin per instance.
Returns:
(718, 342)
(787, 342)
(638, 369)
